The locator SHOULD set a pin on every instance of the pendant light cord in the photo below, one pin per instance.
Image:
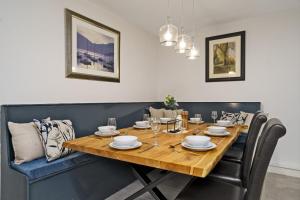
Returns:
(194, 21)
(181, 17)
(169, 11)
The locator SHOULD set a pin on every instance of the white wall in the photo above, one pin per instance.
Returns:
(272, 75)
(32, 56)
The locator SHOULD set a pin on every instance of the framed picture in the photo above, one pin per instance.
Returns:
(92, 49)
(225, 57)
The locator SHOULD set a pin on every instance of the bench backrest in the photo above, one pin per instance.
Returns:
(87, 117)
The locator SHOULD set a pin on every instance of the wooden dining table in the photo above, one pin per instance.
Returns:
(169, 155)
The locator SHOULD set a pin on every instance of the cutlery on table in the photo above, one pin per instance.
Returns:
(146, 149)
(174, 145)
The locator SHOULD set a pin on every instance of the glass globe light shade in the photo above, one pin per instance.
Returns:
(193, 53)
(168, 34)
(184, 43)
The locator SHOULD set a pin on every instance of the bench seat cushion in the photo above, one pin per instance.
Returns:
(40, 168)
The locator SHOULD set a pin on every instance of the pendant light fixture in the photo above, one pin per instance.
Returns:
(184, 42)
(193, 53)
(168, 33)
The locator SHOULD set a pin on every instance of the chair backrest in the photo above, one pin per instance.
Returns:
(267, 142)
(255, 126)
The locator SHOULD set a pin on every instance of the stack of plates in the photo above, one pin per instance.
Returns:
(125, 142)
(199, 148)
(107, 134)
(225, 133)
(125, 147)
(217, 131)
(198, 143)
(141, 127)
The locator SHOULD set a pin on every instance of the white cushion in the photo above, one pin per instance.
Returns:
(157, 113)
(170, 113)
(26, 142)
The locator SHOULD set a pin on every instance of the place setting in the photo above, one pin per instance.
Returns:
(196, 120)
(108, 131)
(198, 143)
(218, 131)
(142, 125)
(224, 123)
(125, 142)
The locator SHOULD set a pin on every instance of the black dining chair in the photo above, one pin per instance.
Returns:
(238, 173)
(236, 152)
(215, 190)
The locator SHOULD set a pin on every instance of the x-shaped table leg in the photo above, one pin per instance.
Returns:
(149, 186)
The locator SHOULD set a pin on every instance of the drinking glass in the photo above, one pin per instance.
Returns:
(146, 117)
(214, 115)
(198, 116)
(155, 127)
(112, 122)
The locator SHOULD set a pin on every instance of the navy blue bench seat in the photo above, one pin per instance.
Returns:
(40, 168)
(80, 176)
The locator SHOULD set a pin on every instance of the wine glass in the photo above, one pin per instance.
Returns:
(214, 115)
(155, 126)
(200, 118)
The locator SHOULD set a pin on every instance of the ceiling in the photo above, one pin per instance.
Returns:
(151, 14)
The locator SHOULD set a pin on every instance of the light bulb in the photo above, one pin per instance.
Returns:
(182, 44)
(193, 53)
(168, 35)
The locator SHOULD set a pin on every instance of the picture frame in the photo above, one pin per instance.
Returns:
(92, 49)
(225, 57)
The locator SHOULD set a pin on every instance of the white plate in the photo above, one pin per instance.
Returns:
(137, 145)
(217, 134)
(98, 133)
(211, 146)
(201, 122)
(139, 127)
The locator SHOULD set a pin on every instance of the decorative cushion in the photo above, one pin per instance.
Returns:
(41, 168)
(170, 113)
(242, 118)
(157, 113)
(26, 142)
(233, 117)
(53, 134)
(249, 118)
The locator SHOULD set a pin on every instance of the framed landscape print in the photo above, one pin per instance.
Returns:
(92, 49)
(225, 57)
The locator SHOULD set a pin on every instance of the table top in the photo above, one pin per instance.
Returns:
(176, 159)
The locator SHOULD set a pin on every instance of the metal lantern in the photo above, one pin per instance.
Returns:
(168, 34)
(193, 53)
(184, 42)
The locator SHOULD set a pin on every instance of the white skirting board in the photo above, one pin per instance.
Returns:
(284, 171)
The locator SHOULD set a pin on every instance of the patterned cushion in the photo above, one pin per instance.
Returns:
(242, 118)
(233, 117)
(53, 134)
